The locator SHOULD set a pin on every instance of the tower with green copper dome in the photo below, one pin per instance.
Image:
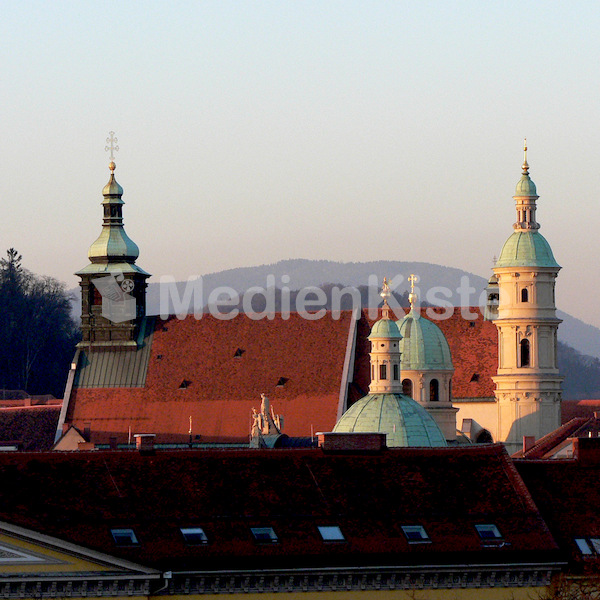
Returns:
(528, 384)
(385, 409)
(426, 365)
(113, 287)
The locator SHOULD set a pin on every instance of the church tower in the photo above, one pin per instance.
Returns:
(113, 287)
(528, 385)
(385, 409)
(426, 366)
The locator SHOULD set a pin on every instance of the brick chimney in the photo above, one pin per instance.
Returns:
(144, 442)
(351, 442)
(528, 442)
(587, 450)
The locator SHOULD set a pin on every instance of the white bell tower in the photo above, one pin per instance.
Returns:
(528, 384)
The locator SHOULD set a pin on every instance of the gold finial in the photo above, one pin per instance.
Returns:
(385, 294)
(525, 165)
(412, 297)
(111, 142)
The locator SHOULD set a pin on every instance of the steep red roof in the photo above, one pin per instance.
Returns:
(369, 496)
(222, 388)
(473, 346)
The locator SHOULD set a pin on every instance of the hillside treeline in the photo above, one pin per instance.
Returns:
(37, 332)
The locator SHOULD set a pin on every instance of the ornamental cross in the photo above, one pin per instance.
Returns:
(112, 141)
(413, 279)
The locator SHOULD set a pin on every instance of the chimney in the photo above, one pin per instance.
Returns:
(144, 442)
(87, 431)
(351, 442)
(528, 442)
(113, 443)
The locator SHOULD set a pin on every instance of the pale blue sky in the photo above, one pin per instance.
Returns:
(257, 131)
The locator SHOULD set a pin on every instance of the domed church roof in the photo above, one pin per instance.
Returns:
(405, 422)
(423, 345)
(526, 249)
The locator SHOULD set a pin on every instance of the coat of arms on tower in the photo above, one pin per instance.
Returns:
(118, 305)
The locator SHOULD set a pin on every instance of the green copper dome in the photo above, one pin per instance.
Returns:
(112, 188)
(405, 422)
(525, 187)
(423, 345)
(113, 243)
(385, 328)
(526, 249)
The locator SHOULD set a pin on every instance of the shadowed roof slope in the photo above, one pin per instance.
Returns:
(368, 496)
(215, 370)
(33, 427)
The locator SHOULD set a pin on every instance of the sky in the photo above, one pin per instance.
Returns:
(252, 132)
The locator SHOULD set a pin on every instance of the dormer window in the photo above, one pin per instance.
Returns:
(238, 353)
(282, 381)
(185, 384)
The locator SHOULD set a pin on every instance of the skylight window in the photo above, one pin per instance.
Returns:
(194, 535)
(331, 533)
(238, 353)
(282, 381)
(588, 546)
(583, 546)
(415, 533)
(185, 384)
(124, 537)
(264, 535)
(488, 532)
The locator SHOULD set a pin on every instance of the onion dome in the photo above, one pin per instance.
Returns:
(406, 422)
(113, 244)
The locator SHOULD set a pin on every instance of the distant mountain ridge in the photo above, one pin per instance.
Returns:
(301, 273)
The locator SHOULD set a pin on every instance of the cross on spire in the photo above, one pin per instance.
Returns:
(412, 297)
(525, 164)
(111, 142)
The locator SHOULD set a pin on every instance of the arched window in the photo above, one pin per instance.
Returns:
(396, 372)
(434, 390)
(372, 372)
(450, 390)
(407, 387)
(524, 353)
(382, 371)
(524, 295)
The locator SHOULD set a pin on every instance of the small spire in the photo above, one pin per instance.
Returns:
(385, 294)
(525, 164)
(412, 297)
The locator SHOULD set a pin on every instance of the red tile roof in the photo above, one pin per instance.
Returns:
(571, 409)
(567, 494)
(473, 346)
(223, 388)
(369, 496)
